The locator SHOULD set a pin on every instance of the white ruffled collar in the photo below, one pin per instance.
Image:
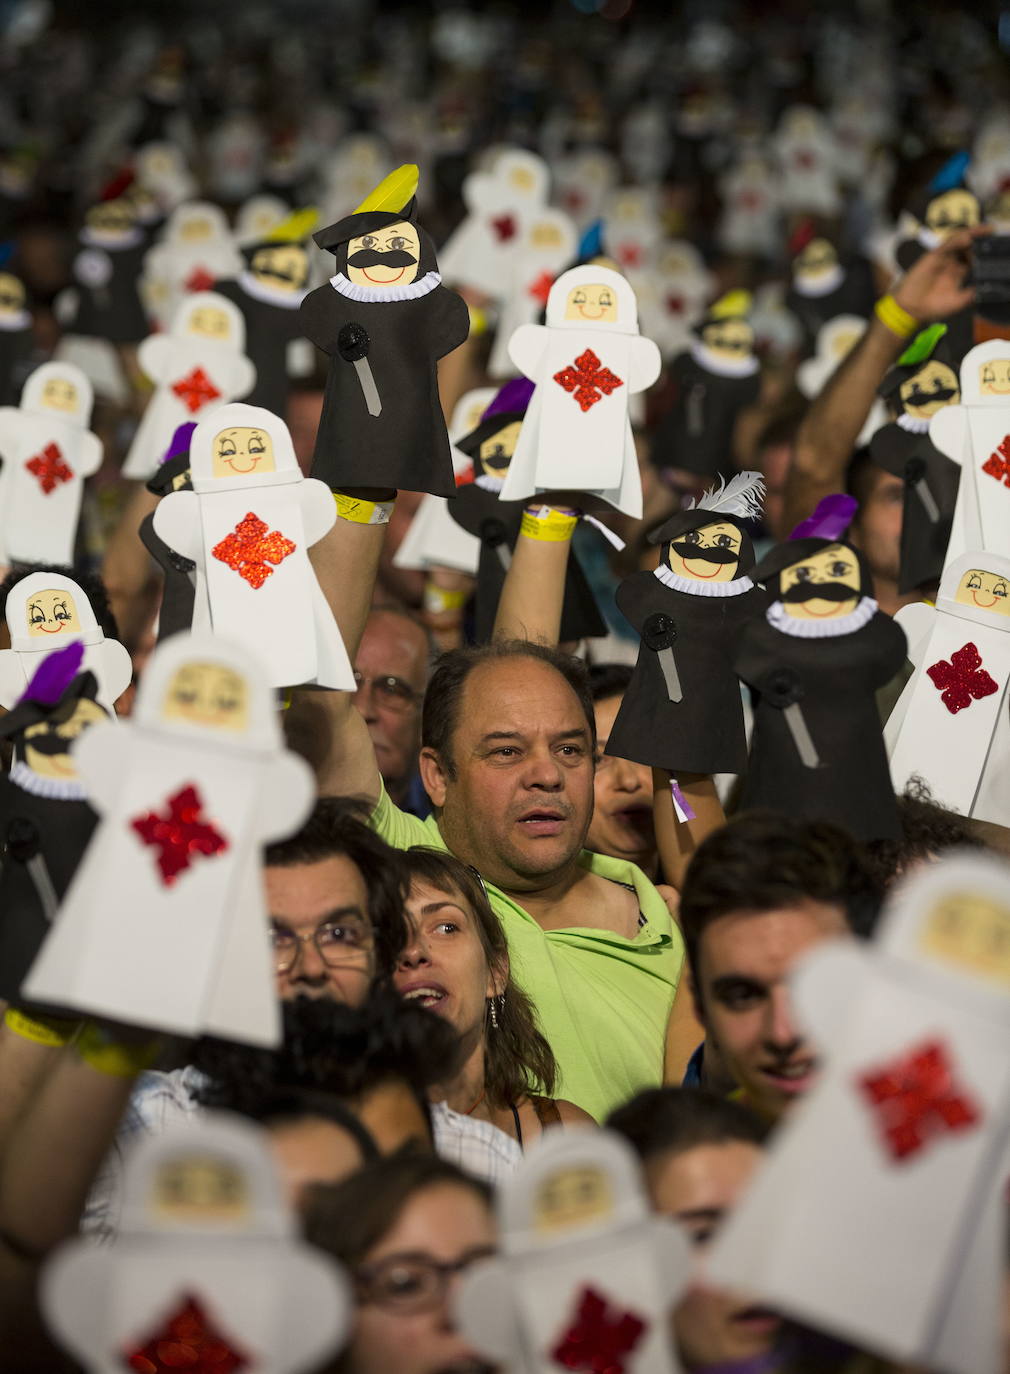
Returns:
(10, 323)
(378, 295)
(118, 244)
(723, 367)
(819, 286)
(780, 619)
(912, 424)
(488, 483)
(59, 789)
(270, 295)
(695, 587)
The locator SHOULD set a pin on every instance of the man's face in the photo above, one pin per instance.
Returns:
(708, 554)
(387, 257)
(392, 665)
(824, 586)
(698, 1187)
(519, 804)
(877, 526)
(744, 960)
(622, 814)
(327, 899)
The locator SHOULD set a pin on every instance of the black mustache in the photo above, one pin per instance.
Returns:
(49, 743)
(697, 554)
(278, 276)
(818, 591)
(370, 257)
(940, 393)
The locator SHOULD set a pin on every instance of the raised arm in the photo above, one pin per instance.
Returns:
(534, 591)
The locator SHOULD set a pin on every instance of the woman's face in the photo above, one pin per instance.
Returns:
(398, 1327)
(444, 966)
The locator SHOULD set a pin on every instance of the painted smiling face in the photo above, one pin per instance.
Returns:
(708, 554)
(985, 590)
(933, 387)
(200, 1188)
(48, 743)
(387, 257)
(594, 303)
(824, 586)
(52, 612)
(972, 932)
(208, 322)
(994, 377)
(571, 1199)
(197, 230)
(60, 394)
(239, 451)
(209, 695)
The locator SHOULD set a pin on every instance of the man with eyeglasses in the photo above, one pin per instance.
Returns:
(391, 670)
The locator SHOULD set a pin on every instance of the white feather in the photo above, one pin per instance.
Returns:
(742, 497)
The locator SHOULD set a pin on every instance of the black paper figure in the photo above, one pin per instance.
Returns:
(824, 285)
(106, 273)
(179, 588)
(17, 339)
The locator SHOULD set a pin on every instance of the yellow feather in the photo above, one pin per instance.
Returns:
(298, 225)
(732, 304)
(393, 193)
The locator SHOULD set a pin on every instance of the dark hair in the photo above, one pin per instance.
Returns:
(287, 1106)
(763, 860)
(336, 828)
(90, 583)
(608, 680)
(927, 830)
(670, 1120)
(518, 1060)
(440, 715)
(861, 478)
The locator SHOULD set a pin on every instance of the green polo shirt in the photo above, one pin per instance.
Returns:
(603, 1001)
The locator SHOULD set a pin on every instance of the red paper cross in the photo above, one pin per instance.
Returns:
(49, 468)
(675, 305)
(180, 835)
(587, 378)
(962, 680)
(573, 199)
(998, 464)
(630, 254)
(251, 549)
(749, 200)
(200, 280)
(805, 159)
(541, 288)
(916, 1098)
(195, 390)
(505, 227)
(187, 1342)
(598, 1339)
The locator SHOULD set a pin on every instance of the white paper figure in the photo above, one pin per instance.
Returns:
(585, 362)
(582, 182)
(951, 724)
(198, 365)
(632, 228)
(807, 158)
(248, 525)
(161, 169)
(234, 156)
(672, 296)
(47, 451)
(165, 922)
(751, 220)
(584, 1267)
(196, 250)
(646, 141)
(478, 254)
(207, 1256)
(434, 540)
(879, 1213)
(547, 244)
(835, 341)
(976, 434)
(45, 611)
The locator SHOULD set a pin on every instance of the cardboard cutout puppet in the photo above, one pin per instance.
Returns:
(478, 254)
(47, 451)
(207, 1272)
(45, 820)
(582, 182)
(547, 244)
(178, 592)
(199, 365)
(479, 509)
(44, 611)
(585, 363)
(165, 923)
(824, 285)
(385, 320)
(106, 271)
(922, 383)
(195, 251)
(587, 1276)
(806, 152)
(248, 524)
(751, 218)
(632, 227)
(814, 662)
(951, 725)
(161, 169)
(943, 209)
(878, 1215)
(17, 338)
(717, 378)
(682, 710)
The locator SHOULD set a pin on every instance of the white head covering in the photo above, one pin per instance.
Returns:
(196, 210)
(527, 164)
(257, 216)
(627, 307)
(201, 300)
(31, 395)
(971, 367)
(16, 613)
(236, 416)
(952, 574)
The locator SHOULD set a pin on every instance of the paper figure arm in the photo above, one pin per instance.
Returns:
(89, 455)
(10, 423)
(527, 347)
(12, 678)
(286, 796)
(824, 988)
(948, 430)
(243, 376)
(487, 1314)
(451, 324)
(154, 356)
(319, 510)
(300, 358)
(177, 521)
(917, 621)
(103, 755)
(646, 362)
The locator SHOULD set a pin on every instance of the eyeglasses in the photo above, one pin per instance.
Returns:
(392, 692)
(412, 1282)
(337, 942)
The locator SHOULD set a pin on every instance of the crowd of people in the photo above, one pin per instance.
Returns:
(520, 697)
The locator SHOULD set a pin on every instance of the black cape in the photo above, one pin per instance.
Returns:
(833, 681)
(914, 457)
(178, 595)
(268, 331)
(407, 445)
(855, 295)
(16, 349)
(496, 523)
(696, 434)
(703, 733)
(113, 311)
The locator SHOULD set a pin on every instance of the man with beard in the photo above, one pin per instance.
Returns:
(385, 320)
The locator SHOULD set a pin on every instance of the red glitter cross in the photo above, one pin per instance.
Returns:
(587, 379)
(186, 1342)
(541, 288)
(195, 389)
(916, 1098)
(49, 469)
(598, 1339)
(200, 280)
(998, 464)
(251, 548)
(962, 680)
(505, 227)
(180, 835)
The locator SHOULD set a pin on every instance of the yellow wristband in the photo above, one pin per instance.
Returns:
(363, 512)
(43, 1030)
(544, 522)
(478, 321)
(893, 317)
(440, 599)
(97, 1047)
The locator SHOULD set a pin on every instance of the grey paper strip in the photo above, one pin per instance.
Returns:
(368, 388)
(505, 554)
(669, 665)
(801, 736)
(926, 497)
(39, 875)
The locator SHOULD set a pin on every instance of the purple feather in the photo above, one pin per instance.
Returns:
(54, 675)
(833, 516)
(514, 396)
(180, 441)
